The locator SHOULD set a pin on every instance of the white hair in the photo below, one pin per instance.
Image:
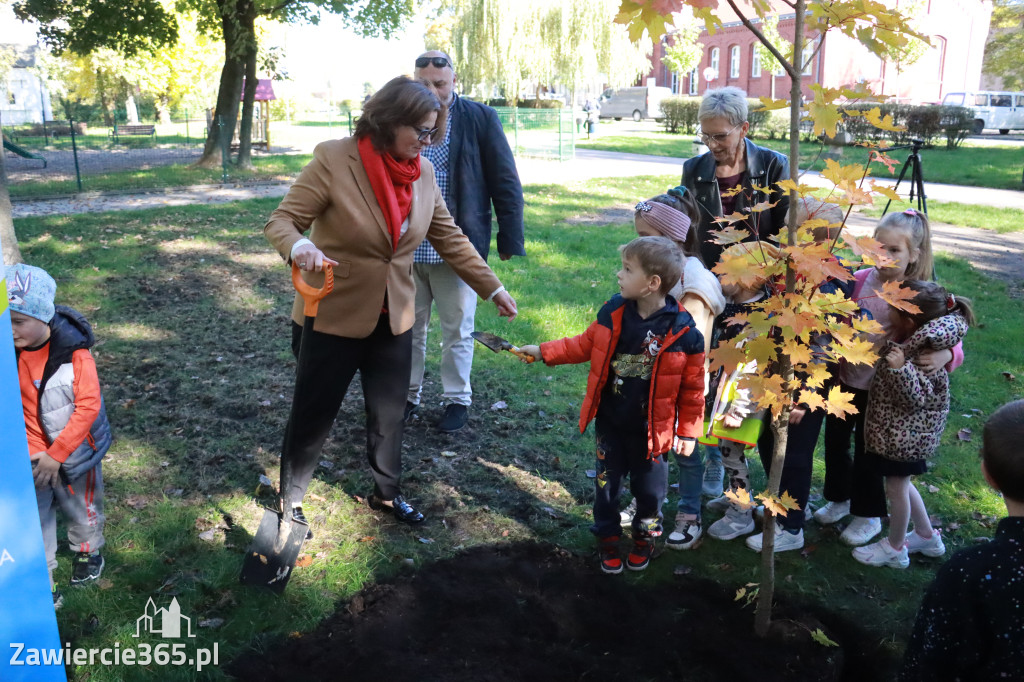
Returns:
(729, 103)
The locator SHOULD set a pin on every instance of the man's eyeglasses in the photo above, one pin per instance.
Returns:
(439, 62)
(423, 134)
(717, 138)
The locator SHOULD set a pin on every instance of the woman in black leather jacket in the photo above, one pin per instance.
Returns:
(733, 161)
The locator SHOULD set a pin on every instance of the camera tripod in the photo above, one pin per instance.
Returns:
(913, 163)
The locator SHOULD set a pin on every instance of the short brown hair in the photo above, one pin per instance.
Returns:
(934, 302)
(402, 102)
(657, 256)
(1002, 449)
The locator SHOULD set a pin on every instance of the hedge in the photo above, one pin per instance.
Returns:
(921, 122)
(681, 114)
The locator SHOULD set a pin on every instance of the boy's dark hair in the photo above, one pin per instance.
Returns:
(656, 256)
(934, 302)
(1002, 449)
(682, 200)
(402, 102)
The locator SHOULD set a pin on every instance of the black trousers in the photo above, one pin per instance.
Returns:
(322, 376)
(849, 476)
(798, 465)
(621, 454)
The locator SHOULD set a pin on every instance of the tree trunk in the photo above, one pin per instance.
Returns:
(9, 241)
(780, 425)
(233, 28)
(248, 100)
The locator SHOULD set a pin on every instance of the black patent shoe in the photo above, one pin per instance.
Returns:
(402, 510)
(297, 515)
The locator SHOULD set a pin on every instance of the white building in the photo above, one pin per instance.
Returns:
(23, 95)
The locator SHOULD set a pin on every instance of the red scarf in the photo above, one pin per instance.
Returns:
(391, 180)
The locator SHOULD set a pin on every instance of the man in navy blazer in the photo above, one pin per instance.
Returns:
(475, 169)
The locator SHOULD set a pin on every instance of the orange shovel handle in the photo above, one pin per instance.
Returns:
(312, 296)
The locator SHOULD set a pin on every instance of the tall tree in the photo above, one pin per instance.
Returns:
(781, 332)
(82, 26)
(505, 44)
(235, 22)
(1004, 49)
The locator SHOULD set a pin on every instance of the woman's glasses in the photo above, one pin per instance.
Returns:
(439, 62)
(424, 134)
(717, 138)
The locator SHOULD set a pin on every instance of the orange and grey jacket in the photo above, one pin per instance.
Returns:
(676, 397)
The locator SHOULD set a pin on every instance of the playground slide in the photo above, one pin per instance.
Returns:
(21, 151)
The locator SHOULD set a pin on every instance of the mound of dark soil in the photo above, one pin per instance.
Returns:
(536, 612)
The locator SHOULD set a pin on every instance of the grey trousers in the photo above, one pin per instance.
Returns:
(83, 510)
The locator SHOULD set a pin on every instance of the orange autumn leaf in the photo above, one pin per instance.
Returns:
(727, 357)
(762, 349)
(730, 235)
(763, 206)
(732, 191)
(779, 505)
(885, 160)
(898, 296)
(839, 403)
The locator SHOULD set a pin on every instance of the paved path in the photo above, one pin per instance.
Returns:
(997, 255)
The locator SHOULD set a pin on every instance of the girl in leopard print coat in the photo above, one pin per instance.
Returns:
(906, 415)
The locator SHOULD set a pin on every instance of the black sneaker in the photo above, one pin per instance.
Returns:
(410, 410)
(58, 599)
(297, 515)
(86, 567)
(455, 417)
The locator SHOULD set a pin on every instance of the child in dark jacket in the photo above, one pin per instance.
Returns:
(65, 421)
(972, 616)
(645, 388)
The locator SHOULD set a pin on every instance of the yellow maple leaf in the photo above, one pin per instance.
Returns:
(874, 117)
(763, 206)
(885, 191)
(779, 505)
(730, 235)
(788, 185)
(839, 403)
(812, 399)
(837, 173)
(742, 501)
(799, 354)
(817, 375)
(859, 351)
(768, 104)
(727, 357)
(762, 349)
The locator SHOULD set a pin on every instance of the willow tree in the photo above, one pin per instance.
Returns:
(1004, 49)
(508, 44)
(798, 332)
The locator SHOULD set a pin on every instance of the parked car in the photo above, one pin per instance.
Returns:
(639, 102)
(1001, 110)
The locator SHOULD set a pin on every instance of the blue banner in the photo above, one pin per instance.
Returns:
(28, 624)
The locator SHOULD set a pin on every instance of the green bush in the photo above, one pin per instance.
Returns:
(957, 123)
(680, 114)
(540, 104)
(756, 115)
(922, 122)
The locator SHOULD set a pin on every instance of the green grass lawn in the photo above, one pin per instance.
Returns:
(190, 306)
(977, 166)
(278, 167)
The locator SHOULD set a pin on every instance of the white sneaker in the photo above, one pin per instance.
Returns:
(627, 514)
(832, 512)
(861, 530)
(719, 504)
(931, 547)
(881, 553)
(686, 535)
(735, 523)
(714, 476)
(784, 540)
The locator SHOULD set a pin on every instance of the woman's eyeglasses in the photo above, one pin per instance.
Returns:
(439, 62)
(423, 134)
(717, 138)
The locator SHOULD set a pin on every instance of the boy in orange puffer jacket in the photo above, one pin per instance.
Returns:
(645, 388)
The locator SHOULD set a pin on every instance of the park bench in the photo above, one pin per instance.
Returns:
(133, 129)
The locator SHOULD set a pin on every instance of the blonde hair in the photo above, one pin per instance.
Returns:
(657, 256)
(914, 227)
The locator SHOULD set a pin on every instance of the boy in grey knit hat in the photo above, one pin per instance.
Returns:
(65, 422)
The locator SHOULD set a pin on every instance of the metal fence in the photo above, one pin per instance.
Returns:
(66, 157)
(542, 133)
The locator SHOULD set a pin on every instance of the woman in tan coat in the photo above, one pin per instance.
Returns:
(366, 201)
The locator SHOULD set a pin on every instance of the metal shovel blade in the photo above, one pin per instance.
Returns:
(498, 344)
(271, 557)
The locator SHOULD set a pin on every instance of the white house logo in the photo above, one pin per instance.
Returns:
(165, 622)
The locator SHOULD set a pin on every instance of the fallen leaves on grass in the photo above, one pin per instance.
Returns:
(208, 535)
(303, 561)
(964, 435)
(500, 405)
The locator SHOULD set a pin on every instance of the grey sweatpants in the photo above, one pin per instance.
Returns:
(83, 510)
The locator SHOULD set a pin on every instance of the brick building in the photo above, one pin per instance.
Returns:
(734, 56)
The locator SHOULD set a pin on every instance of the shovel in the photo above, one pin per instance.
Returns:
(498, 344)
(271, 557)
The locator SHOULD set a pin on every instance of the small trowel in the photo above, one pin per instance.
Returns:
(498, 344)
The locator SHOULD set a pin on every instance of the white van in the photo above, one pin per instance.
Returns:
(999, 110)
(637, 103)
